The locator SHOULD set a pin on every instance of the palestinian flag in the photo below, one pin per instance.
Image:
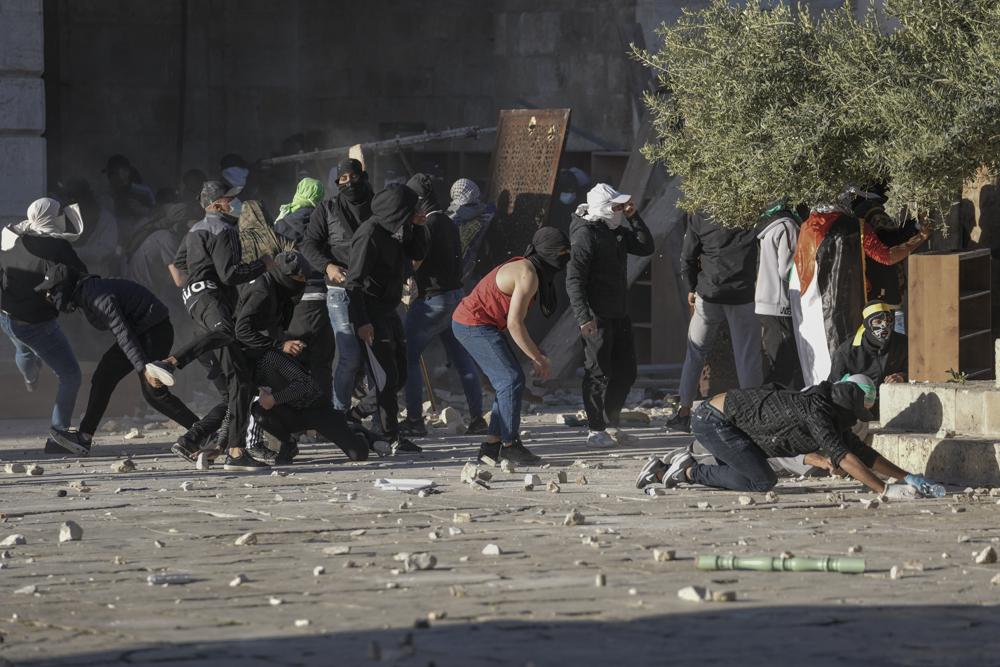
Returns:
(826, 289)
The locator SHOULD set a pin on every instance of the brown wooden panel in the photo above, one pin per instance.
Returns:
(932, 317)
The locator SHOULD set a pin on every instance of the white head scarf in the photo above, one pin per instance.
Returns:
(464, 191)
(600, 200)
(46, 217)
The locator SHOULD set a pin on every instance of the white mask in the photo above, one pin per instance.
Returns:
(567, 198)
(616, 220)
(235, 176)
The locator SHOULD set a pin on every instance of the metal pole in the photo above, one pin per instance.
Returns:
(471, 132)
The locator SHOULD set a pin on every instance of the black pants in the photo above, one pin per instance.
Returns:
(609, 370)
(390, 351)
(114, 366)
(215, 332)
(311, 324)
(781, 358)
(282, 421)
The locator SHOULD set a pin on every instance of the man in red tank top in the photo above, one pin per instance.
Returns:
(499, 303)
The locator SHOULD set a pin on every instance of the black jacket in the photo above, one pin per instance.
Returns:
(212, 257)
(22, 268)
(859, 355)
(332, 225)
(785, 423)
(263, 313)
(597, 273)
(125, 308)
(441, 270)
(381, 252)
(718, 263)
(293, 227)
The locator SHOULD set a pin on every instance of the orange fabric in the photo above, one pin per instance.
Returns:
(873, 246)
(811, 235)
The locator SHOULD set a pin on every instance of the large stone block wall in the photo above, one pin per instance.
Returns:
(22, 107)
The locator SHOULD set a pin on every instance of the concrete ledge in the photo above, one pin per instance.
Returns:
(22, 174)
(963, 461)
(927, 407)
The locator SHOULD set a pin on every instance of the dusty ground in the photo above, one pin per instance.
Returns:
(537, 603)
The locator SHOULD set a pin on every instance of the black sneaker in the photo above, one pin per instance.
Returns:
(162, 371)
(518, 454)
(287, 453)
(414, 428)
(185, 450)
(243, 463)
(651, 473)
(478, 427)
(71, 441)
(261, 452)
(52, 447)
(489, 454)
(681, 424)
(403, 446)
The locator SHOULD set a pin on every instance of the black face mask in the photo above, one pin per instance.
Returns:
(548, 254)
(878, 329)
(356, 192)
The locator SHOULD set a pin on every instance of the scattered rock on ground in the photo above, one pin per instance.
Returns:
(70, 531)
(745, 501)
(986, 556)
(246, 538)
(663, 555)
(12, 540)
(14, 468)
(492, 550)
(692, 594)
(134, 434)
(35, 470)
(531, 481)
(574, 518)
(125, 465)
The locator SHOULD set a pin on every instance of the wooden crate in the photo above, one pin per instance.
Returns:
(948, 319)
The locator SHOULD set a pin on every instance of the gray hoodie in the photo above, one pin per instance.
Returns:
(777, 251)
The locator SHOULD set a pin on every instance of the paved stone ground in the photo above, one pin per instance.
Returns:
(537, 603)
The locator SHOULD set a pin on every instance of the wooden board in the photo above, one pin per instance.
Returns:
(523, 173)
(932, 316)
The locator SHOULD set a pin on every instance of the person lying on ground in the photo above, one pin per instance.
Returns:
(743, 428)
(500, 302)
(141, 326)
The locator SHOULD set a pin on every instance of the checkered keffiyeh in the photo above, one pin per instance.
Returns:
(464, 191)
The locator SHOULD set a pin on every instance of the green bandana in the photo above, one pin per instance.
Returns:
(309, 193)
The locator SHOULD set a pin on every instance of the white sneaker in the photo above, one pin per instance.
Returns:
(622, 438)
(600, 440)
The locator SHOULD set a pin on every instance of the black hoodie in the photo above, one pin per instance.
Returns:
(327, 238)
(441, 270)
(381, 250)
(265, 308)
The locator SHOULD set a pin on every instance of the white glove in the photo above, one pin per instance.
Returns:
(900, 492)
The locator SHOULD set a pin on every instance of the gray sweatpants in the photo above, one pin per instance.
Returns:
(744, 329)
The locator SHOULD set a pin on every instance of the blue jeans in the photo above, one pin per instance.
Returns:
(426, 319)
(740, 464)
(494, 356)
(348, 355)
(46, 342)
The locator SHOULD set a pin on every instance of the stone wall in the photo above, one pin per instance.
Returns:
(260, 71)
(22, 107)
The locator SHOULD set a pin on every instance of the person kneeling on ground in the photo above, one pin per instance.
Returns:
(743, 428)
(141, 325)
(500, 301)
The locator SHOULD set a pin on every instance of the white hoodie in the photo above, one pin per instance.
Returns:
(777, 252)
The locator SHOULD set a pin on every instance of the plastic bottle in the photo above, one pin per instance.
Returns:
(938, 491)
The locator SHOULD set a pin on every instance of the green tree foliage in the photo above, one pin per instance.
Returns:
(762, 104)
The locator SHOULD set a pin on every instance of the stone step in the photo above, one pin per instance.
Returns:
(958, 459)
(929, 407)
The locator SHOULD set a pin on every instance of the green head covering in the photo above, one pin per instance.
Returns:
(308, 193)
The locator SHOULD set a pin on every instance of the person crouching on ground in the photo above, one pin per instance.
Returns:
(290, 400)
(500, 302)
(141, 325)
(743, 428)
(604, 232)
